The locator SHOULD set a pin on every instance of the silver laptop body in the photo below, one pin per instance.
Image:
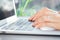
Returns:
(21, 25)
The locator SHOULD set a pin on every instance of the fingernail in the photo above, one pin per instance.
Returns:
(33, 25)
(32, 20)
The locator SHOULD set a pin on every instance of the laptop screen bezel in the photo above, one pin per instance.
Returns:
(12, 18)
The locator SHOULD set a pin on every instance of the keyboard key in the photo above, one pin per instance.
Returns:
(21, 24)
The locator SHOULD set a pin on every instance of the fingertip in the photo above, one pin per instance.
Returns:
(37, 26)
(30, 19)
(33, 25)
(35, 18)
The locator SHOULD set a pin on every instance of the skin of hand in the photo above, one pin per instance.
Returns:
(46, 17)
(38, 14)
(47, 22)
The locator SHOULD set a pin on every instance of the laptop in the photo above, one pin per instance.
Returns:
(11, 24)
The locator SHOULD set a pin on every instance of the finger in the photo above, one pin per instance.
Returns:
(36, 16)
(39, 25)
(40, 13)
(40, 20)
(43, 12)
(35, 23)
(31, 18)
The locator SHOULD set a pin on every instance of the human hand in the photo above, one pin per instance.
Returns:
(53, 22)
(38, 14)
(46, 17)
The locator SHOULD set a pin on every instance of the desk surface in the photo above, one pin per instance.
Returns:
(28, 37)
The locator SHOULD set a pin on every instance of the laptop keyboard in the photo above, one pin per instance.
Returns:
(21, 24)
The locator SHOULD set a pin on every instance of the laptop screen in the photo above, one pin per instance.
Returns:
(6, 9)
(26, 7)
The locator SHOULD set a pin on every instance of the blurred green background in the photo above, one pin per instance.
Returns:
(23, 9)
(30, 7)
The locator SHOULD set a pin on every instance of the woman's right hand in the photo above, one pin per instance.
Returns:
(46, 17)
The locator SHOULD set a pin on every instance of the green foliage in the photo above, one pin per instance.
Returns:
(23, 6)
